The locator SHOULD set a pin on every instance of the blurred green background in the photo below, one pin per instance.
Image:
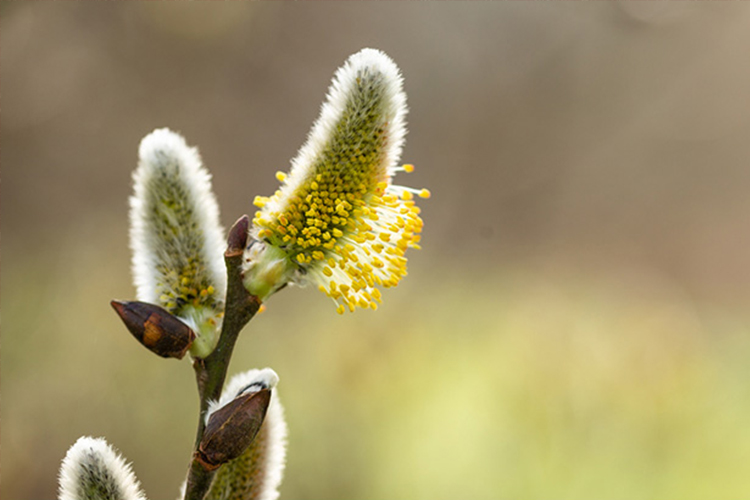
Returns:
(576, 325)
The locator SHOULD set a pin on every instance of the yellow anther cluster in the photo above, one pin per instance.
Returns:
(350, 233)
(180, 288)
(184, 279)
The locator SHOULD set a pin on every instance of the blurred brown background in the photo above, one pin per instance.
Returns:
(575, 326)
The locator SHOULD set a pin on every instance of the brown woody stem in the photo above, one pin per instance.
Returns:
(211, 371)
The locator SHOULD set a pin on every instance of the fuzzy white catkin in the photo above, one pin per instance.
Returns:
(177, 241)
(93, 470)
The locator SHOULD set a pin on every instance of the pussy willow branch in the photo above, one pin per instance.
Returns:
(211, 371)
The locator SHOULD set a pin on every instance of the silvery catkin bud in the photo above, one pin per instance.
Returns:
(176, 238)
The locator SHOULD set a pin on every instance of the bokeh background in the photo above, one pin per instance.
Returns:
(576, 325)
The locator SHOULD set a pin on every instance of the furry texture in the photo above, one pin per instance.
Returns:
(92, 470)
(257, 473)
(337, 221)
(175, 234)
(345, 98)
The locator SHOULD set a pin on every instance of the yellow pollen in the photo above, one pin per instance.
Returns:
(425, 193)
(408, 168)
(280, 176)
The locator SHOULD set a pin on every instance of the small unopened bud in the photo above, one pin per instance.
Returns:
(266, 269)
(257, 473)
(155, 328)
(232, 428)
(237, 240)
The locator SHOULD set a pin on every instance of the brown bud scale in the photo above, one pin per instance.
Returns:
(238, 234)
(155, 328)
(232, 428)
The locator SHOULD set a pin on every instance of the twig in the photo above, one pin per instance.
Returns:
(211, 371)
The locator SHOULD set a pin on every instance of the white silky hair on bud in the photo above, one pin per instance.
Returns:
(93, 470)
(342, 88)
(163, 237)
(257, 473)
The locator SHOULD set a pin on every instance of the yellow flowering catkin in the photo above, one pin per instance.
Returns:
(337, 221)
